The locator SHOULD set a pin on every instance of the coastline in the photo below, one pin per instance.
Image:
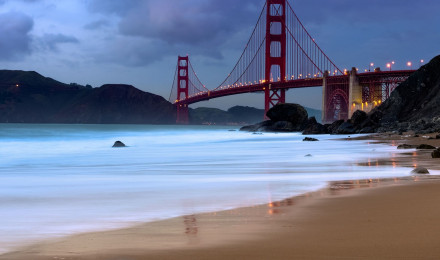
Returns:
(307, 226)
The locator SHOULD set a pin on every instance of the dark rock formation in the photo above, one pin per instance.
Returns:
(313, 127)
(420, 170)
(334, 126)
(414, 104)
(358, 117)
(284, 118)
(406, 146)
(345, 128)
(293, 113)
(310, 139)
(436, 153)
(425, 147)
(260, 127)
(119, 144)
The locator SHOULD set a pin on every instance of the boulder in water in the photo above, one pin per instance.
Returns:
(425, 147)
(436, 153)
(119, 144)
(310, 139)
(293, 113)
(420, 170)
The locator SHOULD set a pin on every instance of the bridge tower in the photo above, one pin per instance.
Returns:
(182, 89)
(275, 56)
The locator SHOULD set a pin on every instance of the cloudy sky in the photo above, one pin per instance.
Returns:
(137, 41)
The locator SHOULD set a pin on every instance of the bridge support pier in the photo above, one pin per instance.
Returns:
(324, 116)
(182, 89)
(354, 93)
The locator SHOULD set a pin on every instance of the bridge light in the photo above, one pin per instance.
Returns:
(389, 66)
(409, 64)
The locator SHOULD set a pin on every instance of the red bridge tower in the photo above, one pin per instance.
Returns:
(182, 88)
(275, 56)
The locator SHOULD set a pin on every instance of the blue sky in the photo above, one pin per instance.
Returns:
(137, 41)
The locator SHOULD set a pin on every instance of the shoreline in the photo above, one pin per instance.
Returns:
(198, 234)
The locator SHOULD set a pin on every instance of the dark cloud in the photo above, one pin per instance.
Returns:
(199, 27)
(99, 24)
(15, 40)
(119, 7)
(51, 41)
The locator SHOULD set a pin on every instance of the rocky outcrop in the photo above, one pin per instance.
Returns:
(119, 144)
(313, 127)
(293, 113)
(425, 147)
(406, 146)
(436, 153)
(310, 139)
(414, 105)
(420, 170)
(283, 118)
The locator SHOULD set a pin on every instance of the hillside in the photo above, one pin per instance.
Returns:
(28, 97)
(417, 99)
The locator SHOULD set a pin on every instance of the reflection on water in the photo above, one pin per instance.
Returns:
(277, 206)
(191, 228)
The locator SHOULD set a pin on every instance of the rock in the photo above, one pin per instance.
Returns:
(406, 146)
(425, 147)
(367, 130)
(334, 126)
(119, 144)
(258, 127)
(420, 170)
(293, 113)
(416, 100)
(314, 128)
(436, 153)
(310, 139)
(345, 128)
(358, 118)
(283, 126)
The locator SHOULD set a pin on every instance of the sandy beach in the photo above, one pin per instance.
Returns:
(365, 219)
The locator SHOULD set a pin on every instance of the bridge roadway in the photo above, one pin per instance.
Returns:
(364, 78)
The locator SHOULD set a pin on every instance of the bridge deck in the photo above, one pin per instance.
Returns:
(290, 84)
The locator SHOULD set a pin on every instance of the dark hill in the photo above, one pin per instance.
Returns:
(417, 98)
(28, 97)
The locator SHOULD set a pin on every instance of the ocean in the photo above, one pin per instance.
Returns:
(58, 180)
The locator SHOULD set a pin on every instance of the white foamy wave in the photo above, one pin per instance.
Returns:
(57, 180)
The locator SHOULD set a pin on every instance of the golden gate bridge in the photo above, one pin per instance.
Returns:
(281, 55)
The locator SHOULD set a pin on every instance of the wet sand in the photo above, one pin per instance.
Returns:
(365, 219)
